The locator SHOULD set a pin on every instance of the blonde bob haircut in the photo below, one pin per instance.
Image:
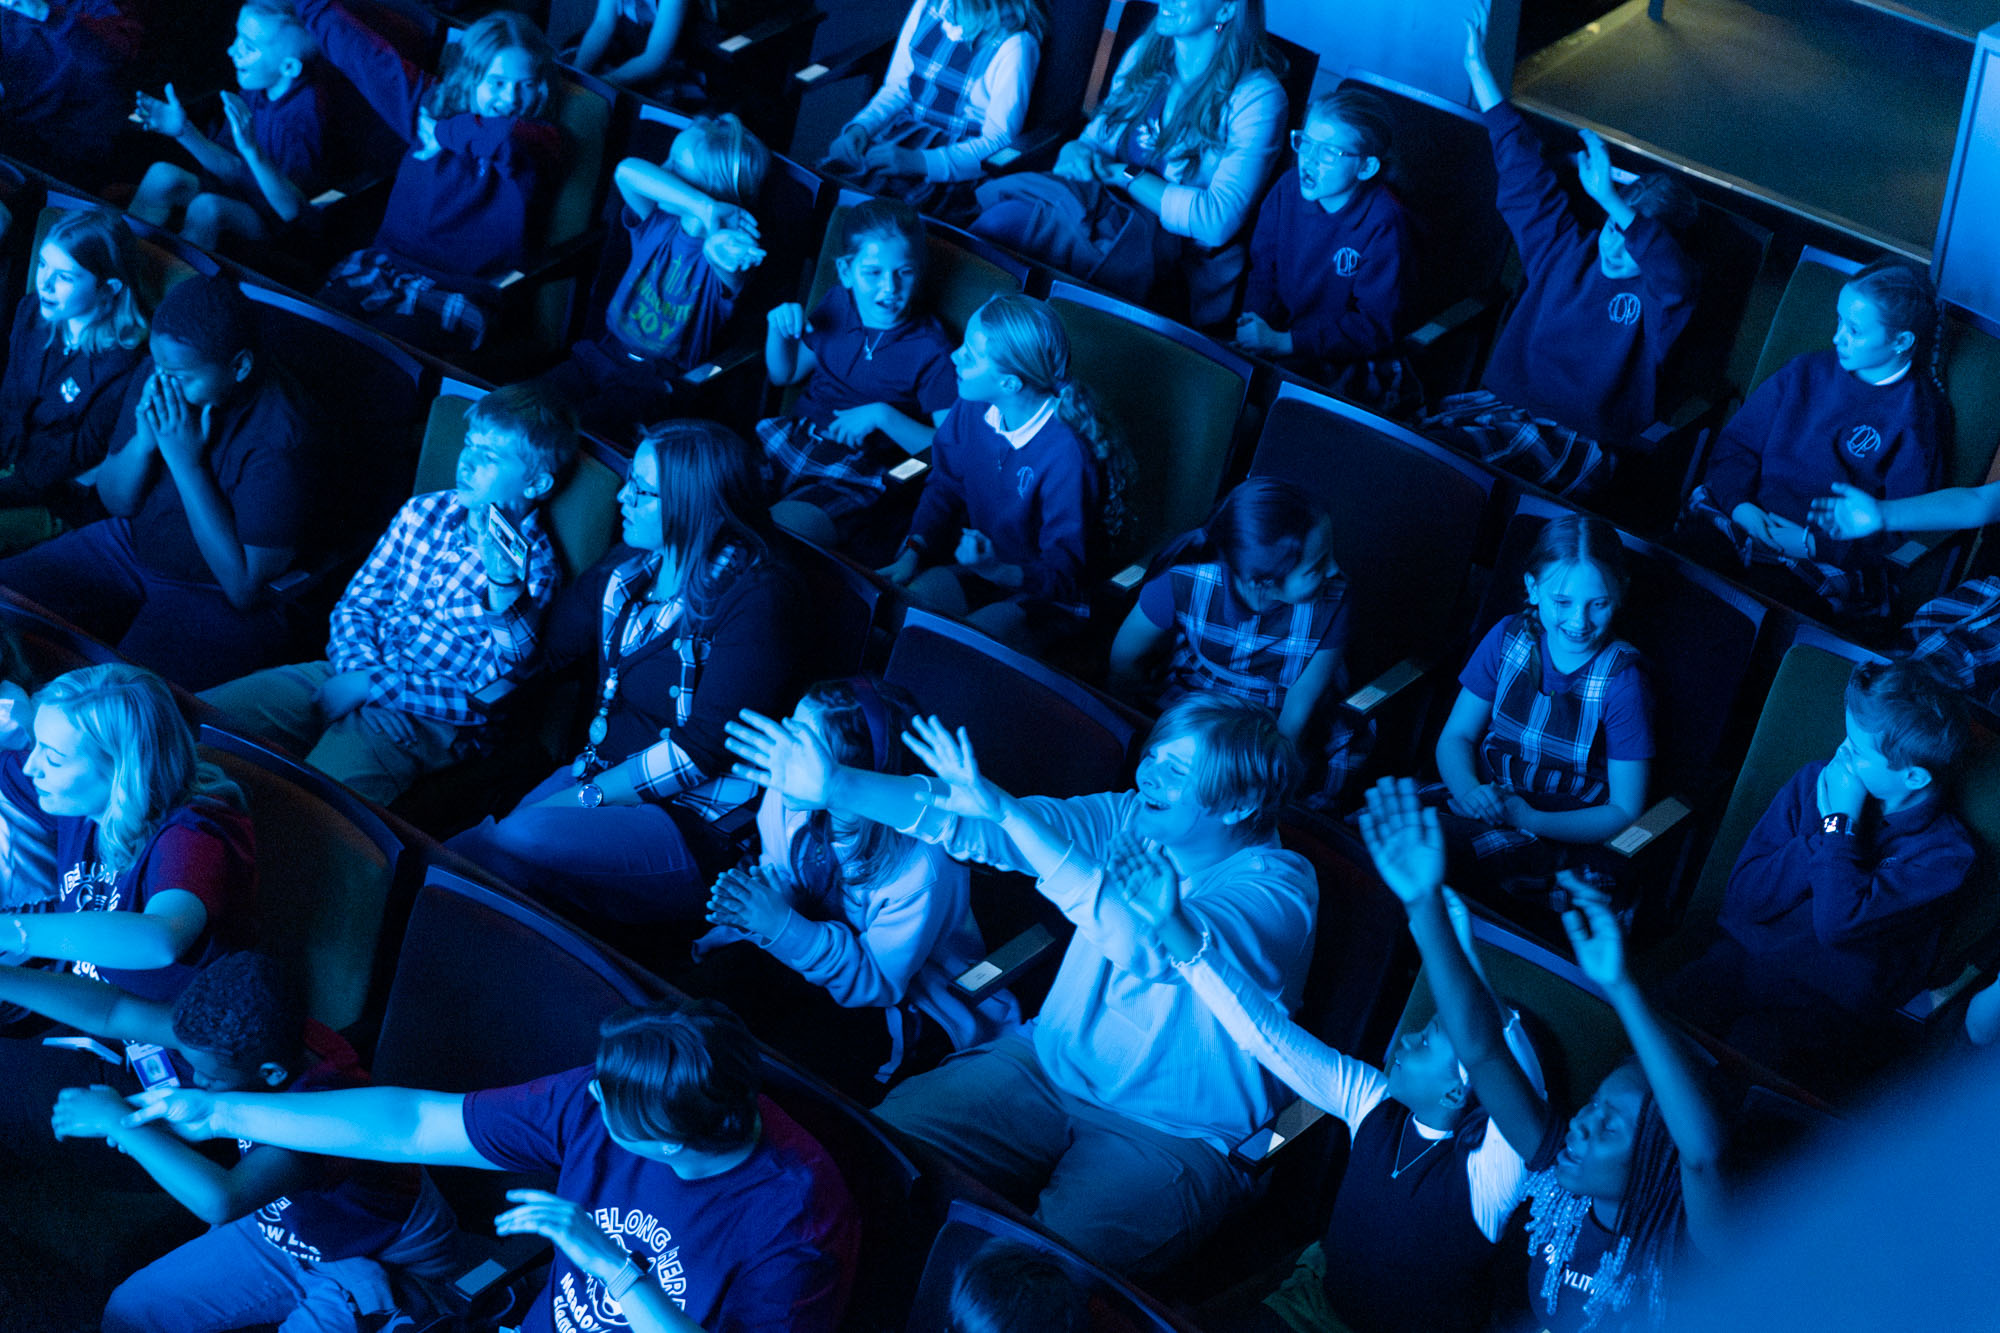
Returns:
(133, 729)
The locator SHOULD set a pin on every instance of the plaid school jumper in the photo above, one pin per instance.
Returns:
(1260, 657)
(1547, 745)
(1958, 634)
(939, 113)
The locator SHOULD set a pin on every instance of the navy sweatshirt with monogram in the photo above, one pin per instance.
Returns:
(1333, 279)
(1581, 348)
(1812, 424)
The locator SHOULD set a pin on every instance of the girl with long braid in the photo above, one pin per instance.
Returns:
(1620, 1190)
(1025, 480)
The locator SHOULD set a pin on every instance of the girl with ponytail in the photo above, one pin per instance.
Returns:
(1026, 478)
(1865, 416)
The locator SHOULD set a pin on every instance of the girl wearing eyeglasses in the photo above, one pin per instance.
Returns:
(1326, 260)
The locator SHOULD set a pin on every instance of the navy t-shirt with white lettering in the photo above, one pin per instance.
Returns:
(766, 1245)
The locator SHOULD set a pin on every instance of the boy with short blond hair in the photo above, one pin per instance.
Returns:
(444, 607)
(257, 172)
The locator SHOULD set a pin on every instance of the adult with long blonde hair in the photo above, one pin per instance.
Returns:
(155, 867)
(1189, 134)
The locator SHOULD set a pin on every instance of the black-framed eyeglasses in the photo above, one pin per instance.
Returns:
(1320, 151)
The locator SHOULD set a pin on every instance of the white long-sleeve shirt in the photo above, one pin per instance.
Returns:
(1119, 1028)
(1211, 202)
(997, 100)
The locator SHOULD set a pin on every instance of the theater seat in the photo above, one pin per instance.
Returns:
(328, 869)
(1115, 1305)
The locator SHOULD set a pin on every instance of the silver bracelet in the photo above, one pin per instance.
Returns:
(1200, 952)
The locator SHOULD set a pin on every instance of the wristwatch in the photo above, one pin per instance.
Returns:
(1129, 174)
(1835, 823)
(590, 796)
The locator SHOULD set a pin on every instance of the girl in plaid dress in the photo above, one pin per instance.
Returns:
(1549, 745)
(1253, 605)
(1864, 412)
(956, 93)
(877, 375)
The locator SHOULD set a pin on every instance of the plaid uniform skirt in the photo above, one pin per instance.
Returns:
(950, 201)
(1533, 448)
(1958, 634)
(405, 303)
(1862, 592)
(808, 465)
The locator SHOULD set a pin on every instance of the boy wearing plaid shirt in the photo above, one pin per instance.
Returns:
(434, 616)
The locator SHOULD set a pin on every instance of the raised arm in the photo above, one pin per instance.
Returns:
(1408, 849)
(394, 87)
(214, 1193)
(1676, 1084)
(373, 1124)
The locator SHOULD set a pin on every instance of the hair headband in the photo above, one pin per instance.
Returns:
(875, 714)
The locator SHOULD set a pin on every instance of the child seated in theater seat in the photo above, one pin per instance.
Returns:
(292, 1234)
(259, 168)
(694, 242)
(877, 373)
(1576, 370)
(444, 607)
(1842, 894)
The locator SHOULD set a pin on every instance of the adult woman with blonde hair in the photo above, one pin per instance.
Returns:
(155, 870)
(1189, 136)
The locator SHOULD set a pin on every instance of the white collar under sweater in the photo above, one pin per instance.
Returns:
(1028, 429)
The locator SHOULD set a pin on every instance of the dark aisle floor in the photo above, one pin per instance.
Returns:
(1846, 112)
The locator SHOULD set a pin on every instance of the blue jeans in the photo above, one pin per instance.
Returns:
(233, 1277)
(627, 862)
(188, 632)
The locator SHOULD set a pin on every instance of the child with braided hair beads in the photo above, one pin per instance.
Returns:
(877, 373)
(1021, 489)
(1431, 1180)
(1620, 1191)
(1868, 412)
(1253, 605)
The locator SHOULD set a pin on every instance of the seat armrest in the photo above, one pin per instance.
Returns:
(1033, 150)
(1449, 320)
(863, 57)
(1257, 1152)
(1364, 701)
(493, 1262)
(1649, 827)
(728, 361)
(999, 968)
(1925, 1004)
(756, 39)
(1911, 551)
(1691, 412)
